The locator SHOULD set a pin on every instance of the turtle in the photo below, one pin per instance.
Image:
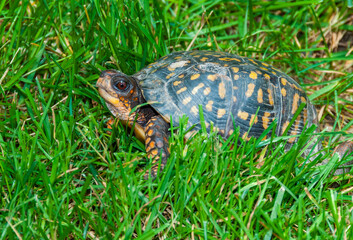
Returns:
(234, 92)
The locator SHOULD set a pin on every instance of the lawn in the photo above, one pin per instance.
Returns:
(65, 175)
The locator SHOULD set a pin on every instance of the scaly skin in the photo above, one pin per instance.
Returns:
(157, 145)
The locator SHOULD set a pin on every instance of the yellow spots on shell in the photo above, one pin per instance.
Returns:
(176, 83)
(195, 76)
(303, 99)
(234, 98)
(252, 60)
(194, 110)
(181, 90)
(265, 64)
(235, 88)
(209, 106)
(221, 112)
(283, 92)
(250, 90)
(178, 64)
(253, 75)
(216, 129)
(186, 100)
(264, 68)
(267, 77)
(245, 137)
(284, 126)
(274, 73)
(243, 115)
(235, 69)
(212, 77)
(295, 103)
(266, 120)
(253, 119)
(170, 75)
(236, 77)
(181, 76)
(176, 58)
(298, 88)
(221, 90)
(206, 91)
(283, 81)
(148, 139)
(270, 96)
(291, 140)
(226, 65)
(154, 70)
(230, 132)
(150, 132)
(196, 89)
(204, 59)
(229, 59)
(260, 96)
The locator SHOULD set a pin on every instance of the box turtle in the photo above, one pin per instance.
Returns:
(234, 92)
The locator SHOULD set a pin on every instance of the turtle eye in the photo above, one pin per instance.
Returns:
(121, 85)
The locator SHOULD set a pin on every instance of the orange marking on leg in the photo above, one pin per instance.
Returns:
(152, 144)
(154, 152)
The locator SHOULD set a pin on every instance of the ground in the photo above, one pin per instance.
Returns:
(63, 174)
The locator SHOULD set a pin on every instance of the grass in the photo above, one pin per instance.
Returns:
(63, 174)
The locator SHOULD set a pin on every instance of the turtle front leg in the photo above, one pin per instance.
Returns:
(157, 145)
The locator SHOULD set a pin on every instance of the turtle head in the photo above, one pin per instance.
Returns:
(120, 92)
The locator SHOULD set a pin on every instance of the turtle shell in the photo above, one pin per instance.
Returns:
(234, 92)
